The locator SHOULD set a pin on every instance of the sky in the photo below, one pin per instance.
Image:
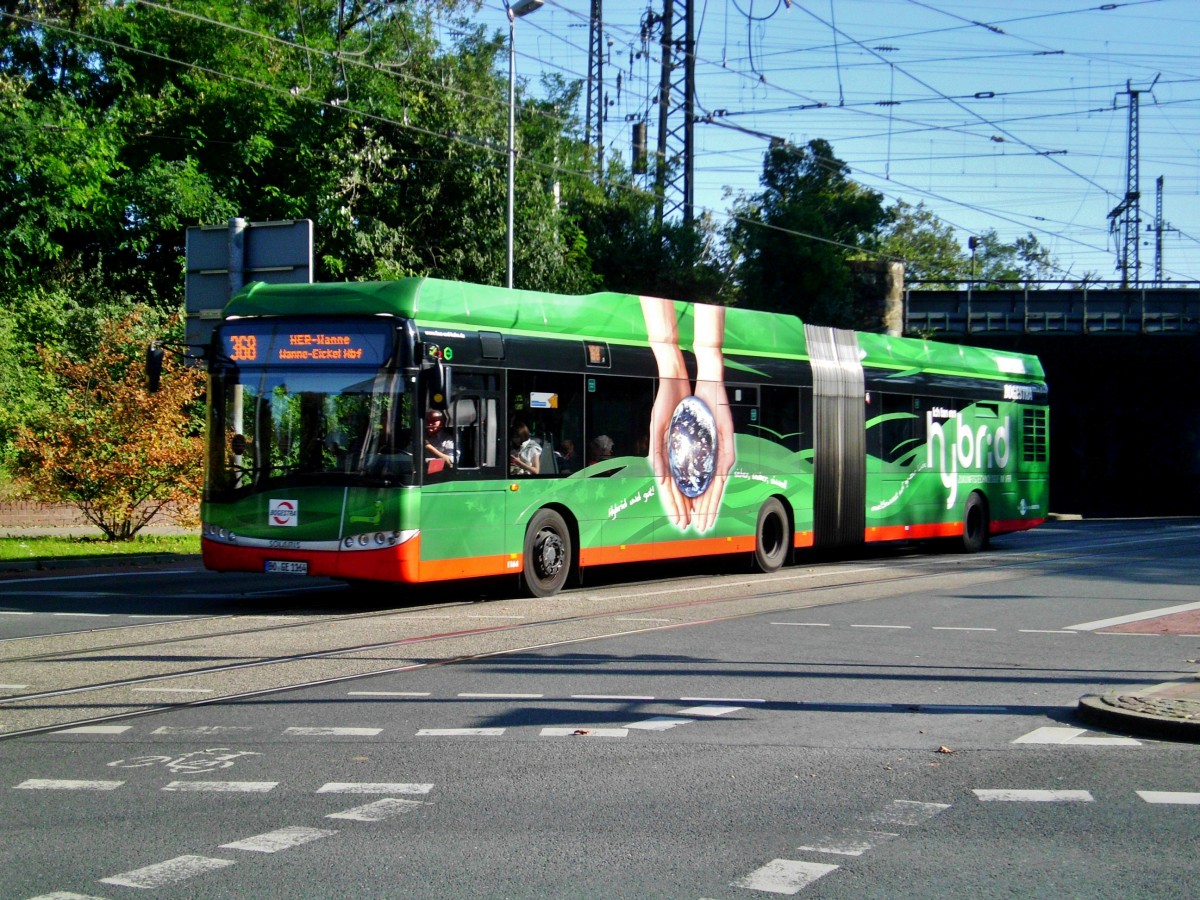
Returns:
(1010, 115)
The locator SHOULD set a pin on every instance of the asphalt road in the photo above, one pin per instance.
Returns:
(890, 726)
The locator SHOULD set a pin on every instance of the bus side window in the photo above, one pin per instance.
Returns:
(464, 420)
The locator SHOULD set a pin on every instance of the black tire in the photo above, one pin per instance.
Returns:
(975, 524)
(548, 554)
(771, 536)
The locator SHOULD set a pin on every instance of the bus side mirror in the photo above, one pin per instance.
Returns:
(154, 367)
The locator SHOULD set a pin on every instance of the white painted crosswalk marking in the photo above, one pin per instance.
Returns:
(387, 808)
(849, 842)
(202, 729)
(784, 876)
(1034, 796)
(221, 787)
(1076, 737)
(369, 787)
(460, 732)
(280, 839)
(659, 723)
(1185, 798)
(584, 732)
(907, 812)
(332, 731)
(162, 874)
(708, 711)
(65, 784)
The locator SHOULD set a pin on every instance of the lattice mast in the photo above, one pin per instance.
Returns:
(596, 103)
(675, 155)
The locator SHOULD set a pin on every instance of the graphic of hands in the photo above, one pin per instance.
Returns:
(673, 386)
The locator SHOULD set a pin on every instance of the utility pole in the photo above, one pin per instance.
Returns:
(596, 103)
(1127, 215)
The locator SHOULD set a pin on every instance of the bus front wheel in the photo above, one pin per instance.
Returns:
(975, 524)
(547, 554)
(771, 536)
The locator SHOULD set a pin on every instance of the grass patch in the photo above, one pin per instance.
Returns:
(12, 548)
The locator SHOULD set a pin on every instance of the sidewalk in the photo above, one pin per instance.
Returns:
(1170, 710)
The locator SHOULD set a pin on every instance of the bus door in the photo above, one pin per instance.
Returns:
(462, 497)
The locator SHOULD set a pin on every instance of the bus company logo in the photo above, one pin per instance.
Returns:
(283, 512)
(1018, 392)
(960, 447)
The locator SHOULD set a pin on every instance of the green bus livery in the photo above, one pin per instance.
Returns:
(421, 430)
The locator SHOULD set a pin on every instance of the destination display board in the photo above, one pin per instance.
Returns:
(307, 343)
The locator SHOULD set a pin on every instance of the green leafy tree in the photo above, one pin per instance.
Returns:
(790, 242)
(1024, 262)
(928, 247)
(108, 447)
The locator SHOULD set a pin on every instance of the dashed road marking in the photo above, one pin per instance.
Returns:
(784, 876)
(1076, 737)
(373, 787)
(221, 787)
(64, 784)
(708, 711)
(387, 808)
(460, 732)
(659, 723)
(331, 731)
(280, 839)
(167, 690)
(65, 895)
(1034, 796)
(907, 812)
(96, 729)
(483, 696)
(585, 731)
(162, 874)
(203, 729)
(388, 694)
(849, 842)
(611, 697)
(1185, 798)
(720, 700)
(895, 627)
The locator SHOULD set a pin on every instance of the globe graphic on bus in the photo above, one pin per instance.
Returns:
(692, 446)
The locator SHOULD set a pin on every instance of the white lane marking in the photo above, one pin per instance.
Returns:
(707, 711)
(585, 731)
(659, 723)
(639, 619)
(1044, 631)
(720, 700)
(388, 694)
(460, 732)
(1186, 798)
(161, 874)
(1034, 796)
(477, 616)
(81, 615)
(202, 729)
(279, 839)
(373, 787)
(332, 731)
(908, 812)
(784, 876)
(387, 808)
(166, 690)
(221, 787)
(608, 697)
(96, 729)
(1135, 617)
(65, 784)
(1049, 734)
(484, 696)
(14, 612)
(65, 895)
(849, 842)
(806, 624)
(157, 616)
(896, 627)
(959, 628)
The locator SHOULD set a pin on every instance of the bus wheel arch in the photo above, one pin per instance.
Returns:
(976, 523)
(549, 552)
(772, 535)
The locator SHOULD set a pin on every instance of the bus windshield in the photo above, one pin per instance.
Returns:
(274, 427)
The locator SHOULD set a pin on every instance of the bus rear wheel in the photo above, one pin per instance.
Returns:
(771, 536)
(975, 524)
(547, 554)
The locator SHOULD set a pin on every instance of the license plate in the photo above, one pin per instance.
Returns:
(286, 568)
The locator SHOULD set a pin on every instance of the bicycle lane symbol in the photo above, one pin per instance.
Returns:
(194, 763)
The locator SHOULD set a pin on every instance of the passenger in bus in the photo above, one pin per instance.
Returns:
(564, 456)
(525, 456)
(439, 442)
(601, 449)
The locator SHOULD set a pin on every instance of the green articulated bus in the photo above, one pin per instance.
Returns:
(421, 430)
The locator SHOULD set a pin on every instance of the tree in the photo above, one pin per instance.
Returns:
(928, 247)
(790, 242)
(1000, 265)
(107, 446)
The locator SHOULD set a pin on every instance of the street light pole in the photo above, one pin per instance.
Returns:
(515, 10)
